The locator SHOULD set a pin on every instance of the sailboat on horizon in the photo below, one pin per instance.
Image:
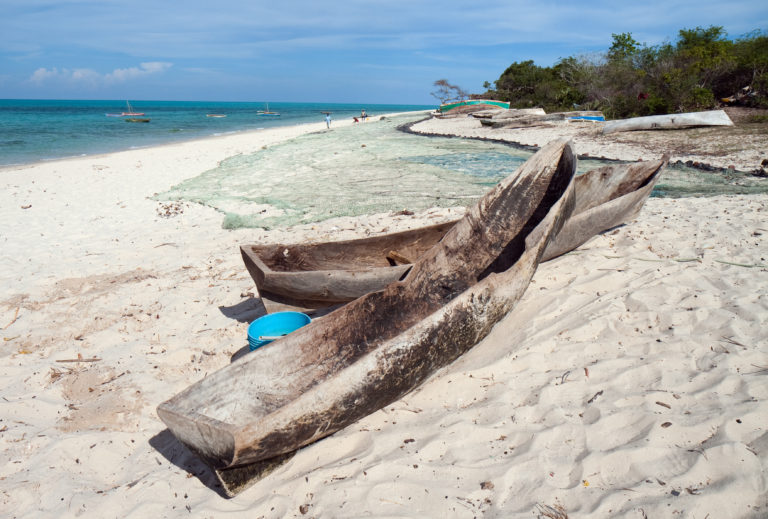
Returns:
(130, 112)
(267, 112)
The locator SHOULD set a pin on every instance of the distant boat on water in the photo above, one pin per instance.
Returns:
(267, 112)
(137, 120)
(129, 113)
(217, 116)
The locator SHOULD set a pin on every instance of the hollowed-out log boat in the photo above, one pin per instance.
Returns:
(310, 276)
(251, 415)
(669, 121)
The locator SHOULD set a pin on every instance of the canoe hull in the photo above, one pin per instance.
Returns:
(669, 121)
(379, 347)
(315, 276)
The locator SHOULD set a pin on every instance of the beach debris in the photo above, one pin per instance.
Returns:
(26, 206)
(746, 265)
(666, 424)
(112, 379)
(595, 396)
(551, 512)
(662, 404)
(170, 209)
(486, 485)
(743, 94)
(80, 359)
(57, 373)
(15, 316)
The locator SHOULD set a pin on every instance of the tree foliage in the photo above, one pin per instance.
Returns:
(696, 72)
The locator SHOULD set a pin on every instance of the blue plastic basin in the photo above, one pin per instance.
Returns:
(274, 325)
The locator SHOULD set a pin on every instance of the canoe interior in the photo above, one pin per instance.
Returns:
(351, 254)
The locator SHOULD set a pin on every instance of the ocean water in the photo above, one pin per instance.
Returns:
(35, 130)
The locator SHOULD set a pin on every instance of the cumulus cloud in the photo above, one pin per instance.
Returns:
(144, 69)
(42, 74)
(84, 75)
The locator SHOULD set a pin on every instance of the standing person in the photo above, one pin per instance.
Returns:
(363, 115)
(328, 120)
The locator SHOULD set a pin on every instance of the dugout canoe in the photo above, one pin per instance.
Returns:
(249, 416)
(669, 121)
(310, 276)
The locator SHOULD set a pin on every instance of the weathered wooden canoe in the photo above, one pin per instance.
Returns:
(317, 275)
(247, 417)
(669, 121)
(536, 119)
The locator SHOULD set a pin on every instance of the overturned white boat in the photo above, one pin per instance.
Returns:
(669, 121)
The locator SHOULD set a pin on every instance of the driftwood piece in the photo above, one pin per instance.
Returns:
(372, 351)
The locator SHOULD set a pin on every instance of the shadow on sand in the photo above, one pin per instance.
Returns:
(177, 454)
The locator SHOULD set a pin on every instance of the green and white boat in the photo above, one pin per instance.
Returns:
(490, 103)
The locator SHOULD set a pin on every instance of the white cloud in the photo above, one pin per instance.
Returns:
(144, 69)
(85, 75)
(42, 74)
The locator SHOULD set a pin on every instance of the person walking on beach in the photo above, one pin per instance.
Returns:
(328, 120)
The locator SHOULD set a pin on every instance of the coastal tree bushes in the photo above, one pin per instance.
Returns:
(700, 70)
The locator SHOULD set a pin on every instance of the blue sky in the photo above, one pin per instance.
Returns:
(374, 51)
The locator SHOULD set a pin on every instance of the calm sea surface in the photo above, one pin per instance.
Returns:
(35, 130)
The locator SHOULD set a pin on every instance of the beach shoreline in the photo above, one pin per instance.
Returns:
(243, 134)
(629, 381)
(714, 148)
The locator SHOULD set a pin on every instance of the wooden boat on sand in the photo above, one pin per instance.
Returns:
(669, 121)
(317, 275)
(248, 417)
(466, 105)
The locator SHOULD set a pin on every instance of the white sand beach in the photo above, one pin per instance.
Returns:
(630, 381)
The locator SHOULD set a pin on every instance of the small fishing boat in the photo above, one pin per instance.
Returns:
(267, 112)
(252, 415)
(216, 116)
(137, 120)
(130, 112)
(669, 121)
(310, 276)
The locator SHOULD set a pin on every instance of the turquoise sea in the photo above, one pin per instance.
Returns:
(36, 130)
